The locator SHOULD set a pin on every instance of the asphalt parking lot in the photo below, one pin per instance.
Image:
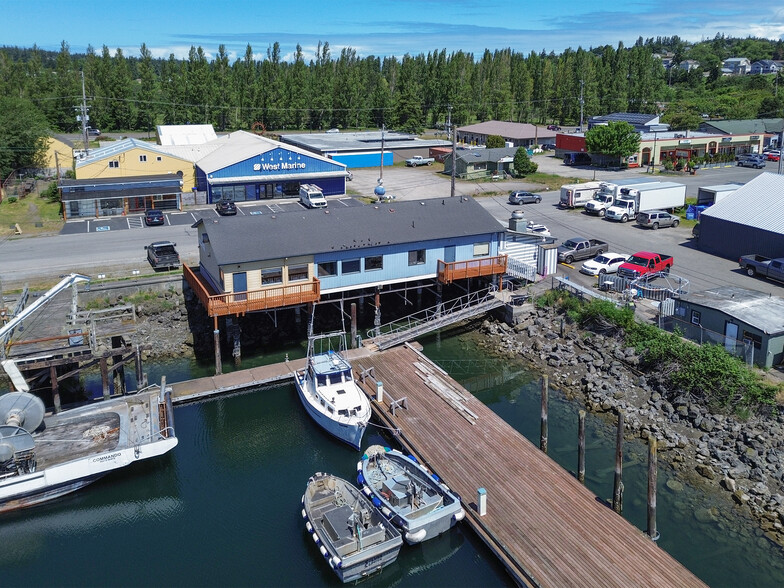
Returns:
(188, 217)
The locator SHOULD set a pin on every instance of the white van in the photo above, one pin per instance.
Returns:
(311, 196)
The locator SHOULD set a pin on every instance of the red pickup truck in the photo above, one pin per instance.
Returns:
(645, 262)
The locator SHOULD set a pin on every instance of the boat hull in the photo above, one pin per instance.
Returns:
(415, 500)
(350, 433)
(96, 449)
(352, 536)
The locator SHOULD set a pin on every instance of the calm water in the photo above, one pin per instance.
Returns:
(224, 507)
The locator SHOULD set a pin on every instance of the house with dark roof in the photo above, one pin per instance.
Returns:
(748, 323)
(766, 66)
(516, 134)
(269, 261)
(481, 163)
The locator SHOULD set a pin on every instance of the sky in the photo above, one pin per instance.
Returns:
(373, 27)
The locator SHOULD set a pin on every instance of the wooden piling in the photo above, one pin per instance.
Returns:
(543, 438)
(653, 533)
(618, 483)
(55, 388)
(581, 447)
(141, 378)
(105, 376)
(218, 363)
(353, 325)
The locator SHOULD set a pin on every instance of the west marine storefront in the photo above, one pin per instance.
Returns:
(250, 167)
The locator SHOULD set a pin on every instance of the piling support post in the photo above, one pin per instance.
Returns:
(55, 388)
(141, 377)
(377, 318)
(218, 363)
(105, 376)
(545, 394)
(353, 325)
(581, 447)
(297, 316)
(653, 533)
(618, 482)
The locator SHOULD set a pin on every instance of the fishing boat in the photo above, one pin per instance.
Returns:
(43, 457)
(351, 534)
(328, 391)
(412, 497)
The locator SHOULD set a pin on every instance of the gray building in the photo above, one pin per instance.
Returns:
(481, 163)
(516, 134)
(746, 322)
(750, 220)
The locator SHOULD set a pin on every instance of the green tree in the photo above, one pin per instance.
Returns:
(494, 141)
(523, 166)
(23, 135)
(616, 140)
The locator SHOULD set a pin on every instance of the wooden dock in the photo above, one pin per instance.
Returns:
(546, 527)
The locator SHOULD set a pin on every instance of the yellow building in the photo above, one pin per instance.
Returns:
(133, 158)
(59, 156)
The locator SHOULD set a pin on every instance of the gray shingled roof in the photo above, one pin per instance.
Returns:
(743, 127)
(508, 130)
(757, 309)
(759, 204)
(244, 239)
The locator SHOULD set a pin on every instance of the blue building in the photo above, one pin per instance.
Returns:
(274, 261)
(250, 167)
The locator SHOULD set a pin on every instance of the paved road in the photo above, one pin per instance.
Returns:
(115, 247)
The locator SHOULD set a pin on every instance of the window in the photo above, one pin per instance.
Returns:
(374, 263)
(298, 273)
(695, 317)
(481, 249)
(327, 268)
(749, 337)
(114, 163)
(416, 257)
(142, 158)
(271, 275)
(349, 266)
(159, 158)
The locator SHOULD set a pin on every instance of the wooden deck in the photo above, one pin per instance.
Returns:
(547, 528)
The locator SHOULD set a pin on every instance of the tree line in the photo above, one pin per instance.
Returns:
(347, 91)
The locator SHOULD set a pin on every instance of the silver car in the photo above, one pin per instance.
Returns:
(654, 219)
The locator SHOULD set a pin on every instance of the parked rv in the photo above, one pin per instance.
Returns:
(574, 195)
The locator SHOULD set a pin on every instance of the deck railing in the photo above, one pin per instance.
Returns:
(243, 302)
(448, 272)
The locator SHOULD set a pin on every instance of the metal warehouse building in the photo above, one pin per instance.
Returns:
(751, 220)
(364, 149)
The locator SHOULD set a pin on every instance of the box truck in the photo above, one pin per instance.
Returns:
(609, 191)
(660, 196)
(709, 195)
(574, 195)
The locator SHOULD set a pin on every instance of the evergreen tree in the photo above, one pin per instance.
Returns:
(523, 166)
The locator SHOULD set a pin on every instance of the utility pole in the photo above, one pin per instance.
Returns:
(582, 84)
(83, 117)
(454, 150)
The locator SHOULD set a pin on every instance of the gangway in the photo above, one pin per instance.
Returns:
(438, 316)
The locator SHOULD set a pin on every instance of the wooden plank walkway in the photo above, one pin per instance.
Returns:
(546, 527)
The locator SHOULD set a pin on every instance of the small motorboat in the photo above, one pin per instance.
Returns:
(352, 535)
(412, 497)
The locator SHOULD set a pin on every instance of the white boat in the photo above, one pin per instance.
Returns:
(351, 534)
(43, 457)
(329, 393)
(412, 497)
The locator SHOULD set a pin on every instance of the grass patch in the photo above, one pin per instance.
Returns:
(34, 215)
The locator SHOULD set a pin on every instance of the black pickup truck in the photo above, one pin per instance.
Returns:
(163, 255)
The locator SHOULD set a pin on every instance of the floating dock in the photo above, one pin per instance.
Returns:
(545, 527)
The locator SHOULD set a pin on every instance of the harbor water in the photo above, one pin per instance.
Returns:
(223, 509)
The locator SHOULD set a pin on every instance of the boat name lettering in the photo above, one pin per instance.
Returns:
(110, 457)
(281, 166)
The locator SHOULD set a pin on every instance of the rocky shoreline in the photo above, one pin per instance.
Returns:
(744, 458)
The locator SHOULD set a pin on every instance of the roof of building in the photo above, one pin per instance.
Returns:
(757, 309)
(744, 127)
(165, 179)
(245, 239)
(736, 59)
(759, 204)
(484, 155)
(508, 130)
(633, 118)
(359, 141)
(241, 145)
(185, 134)
(117, 147)
(122, 187)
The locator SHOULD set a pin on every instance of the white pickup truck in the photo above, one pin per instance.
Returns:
(418, 160)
